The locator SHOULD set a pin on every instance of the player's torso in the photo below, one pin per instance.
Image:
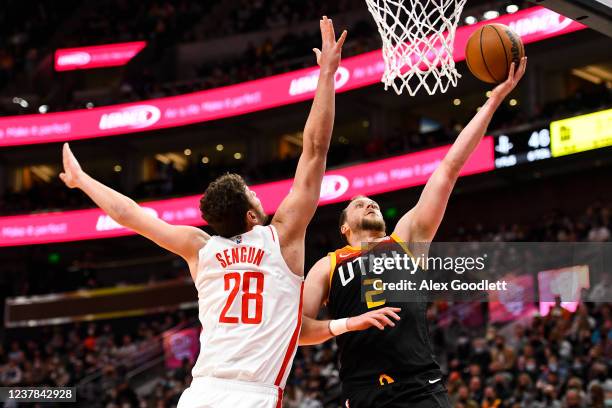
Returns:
(370, 357)
(249, 308)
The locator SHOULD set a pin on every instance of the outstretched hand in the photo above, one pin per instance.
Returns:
(379, 318)
(514, 76)
(72, 169)
(328, 57)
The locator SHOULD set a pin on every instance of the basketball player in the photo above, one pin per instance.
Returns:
(395, 367)
(249, 277)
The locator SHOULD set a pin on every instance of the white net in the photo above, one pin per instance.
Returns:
(418, 37)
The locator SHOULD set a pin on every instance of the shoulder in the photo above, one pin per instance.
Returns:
(321, 269)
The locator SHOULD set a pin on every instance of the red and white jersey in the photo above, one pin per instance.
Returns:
(250, 307)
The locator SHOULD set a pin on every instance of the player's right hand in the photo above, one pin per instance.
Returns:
(379, 318)
(328, 57)
(72, 169)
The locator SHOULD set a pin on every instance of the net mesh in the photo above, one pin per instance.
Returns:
(418, 37)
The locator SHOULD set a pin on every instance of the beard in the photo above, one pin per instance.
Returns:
(373, 224)
(262, 217)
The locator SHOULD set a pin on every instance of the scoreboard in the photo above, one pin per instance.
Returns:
(581, 133)
(559, 138)
(521, 147)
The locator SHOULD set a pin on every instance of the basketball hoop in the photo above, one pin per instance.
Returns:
(418, 38)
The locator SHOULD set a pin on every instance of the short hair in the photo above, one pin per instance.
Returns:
(343, 214)
(225, 204)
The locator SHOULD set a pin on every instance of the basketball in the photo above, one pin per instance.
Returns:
(490, 50)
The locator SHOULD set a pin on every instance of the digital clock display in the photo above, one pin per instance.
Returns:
(522, 147)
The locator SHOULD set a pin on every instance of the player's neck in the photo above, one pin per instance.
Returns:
(358, 238)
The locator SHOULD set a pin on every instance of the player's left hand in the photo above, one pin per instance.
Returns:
(72, 173)
(379, 318)
(514, 76)
(328, 57)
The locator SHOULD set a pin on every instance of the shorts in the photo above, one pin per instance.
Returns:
(208, 392)
(395, 396)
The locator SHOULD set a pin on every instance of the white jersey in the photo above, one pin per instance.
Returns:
(250, 307)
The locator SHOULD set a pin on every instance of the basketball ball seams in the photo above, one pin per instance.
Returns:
(518, 49)
(501, 40)
(484, 61)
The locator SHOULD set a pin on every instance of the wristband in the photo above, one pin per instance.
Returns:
(338, 327)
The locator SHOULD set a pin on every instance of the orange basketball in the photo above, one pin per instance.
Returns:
(490, 51)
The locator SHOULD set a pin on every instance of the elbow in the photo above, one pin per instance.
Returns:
(450, 169)
(305, 341)
(317, 141)
(121, 213)
(320, 148)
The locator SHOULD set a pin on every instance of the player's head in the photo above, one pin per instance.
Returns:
(231, 207)
(361, 214)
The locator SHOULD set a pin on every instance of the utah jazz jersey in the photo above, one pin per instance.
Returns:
(373, 357)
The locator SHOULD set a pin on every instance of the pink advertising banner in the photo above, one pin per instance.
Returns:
(97, 56)
(372, 178)
(565, 283)
(181, 345)
(514, 304)
(533, 24)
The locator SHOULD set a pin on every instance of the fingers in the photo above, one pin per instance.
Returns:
(322, 28)
(383, 316)
(332, 33)
(342, 38)
(317, 53)
(390, 311)
(522, 68)
(65, 154)
(326, 36)
(511, 73)
(385, 320)
(375, 323)
(62, 177)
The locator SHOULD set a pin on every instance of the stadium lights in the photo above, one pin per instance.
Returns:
(237, 156)
(513, 102)
(187, 152)
(89, 105)
(470, 20)
(491, 14)
(512, 8)
(219, 147)
(456, 101)
(43, 108)
(21, 102)
(117, 168)
(488, 94)
(365, 123)
(205, 160)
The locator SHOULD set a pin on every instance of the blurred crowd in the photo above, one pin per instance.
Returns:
(96, 357)
(561, 360)
(593, 225)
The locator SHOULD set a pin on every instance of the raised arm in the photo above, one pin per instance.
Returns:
(183, 240)
(298, 208)
(316, 331)
(421, 223)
